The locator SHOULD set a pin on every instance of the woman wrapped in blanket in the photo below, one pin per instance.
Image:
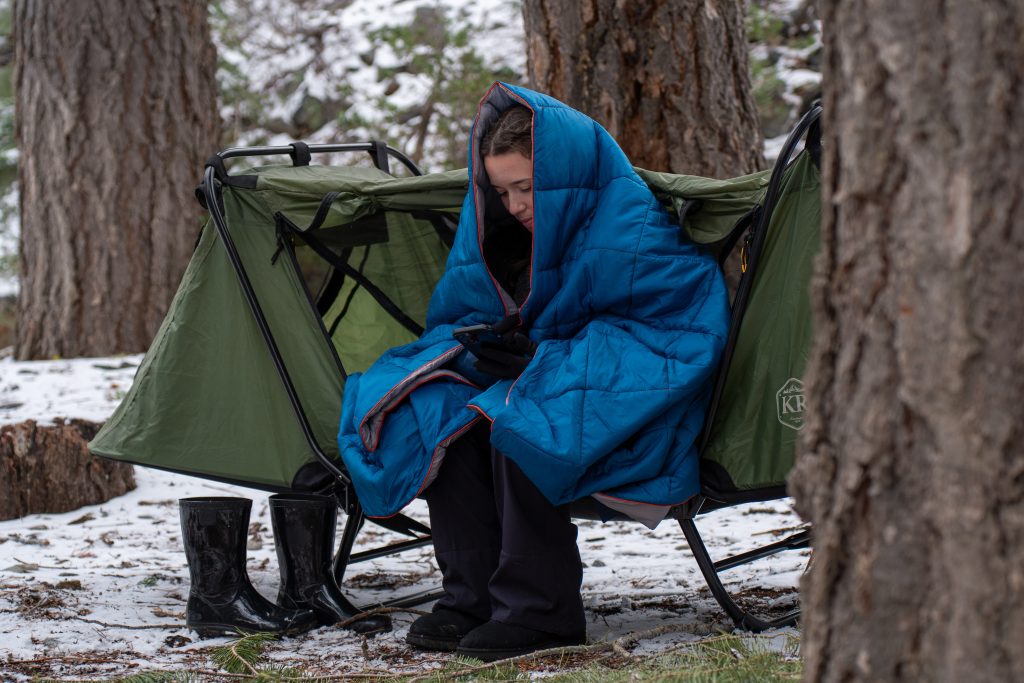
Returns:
(610, 327)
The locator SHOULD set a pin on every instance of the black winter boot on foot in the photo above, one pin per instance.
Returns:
(221, 599)
(304, 525)
(496, 640)
(441, 630)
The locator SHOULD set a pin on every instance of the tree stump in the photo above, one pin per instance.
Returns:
(50, 469)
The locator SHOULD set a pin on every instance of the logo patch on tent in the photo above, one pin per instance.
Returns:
(789, 403)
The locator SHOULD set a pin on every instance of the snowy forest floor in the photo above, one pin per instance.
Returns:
(99, 593)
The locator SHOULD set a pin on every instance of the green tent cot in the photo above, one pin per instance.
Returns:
(244, 380)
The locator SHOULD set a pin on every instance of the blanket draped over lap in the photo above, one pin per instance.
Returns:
(629, 318)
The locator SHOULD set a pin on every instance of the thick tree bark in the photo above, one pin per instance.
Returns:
(912, 467)
(50, 469)
(668, 78)
(116, 111)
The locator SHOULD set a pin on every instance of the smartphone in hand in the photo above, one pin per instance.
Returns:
(475, 337)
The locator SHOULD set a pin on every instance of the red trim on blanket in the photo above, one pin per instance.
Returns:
(513, 385)
(373, 411)
(479, 207)
(447, 441)
(477, 409)
(423, 485)
(533, 195)
(477, 204)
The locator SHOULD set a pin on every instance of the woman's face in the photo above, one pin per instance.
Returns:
(511, 175)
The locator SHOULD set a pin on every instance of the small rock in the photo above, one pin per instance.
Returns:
(123, 365)
(177, 641)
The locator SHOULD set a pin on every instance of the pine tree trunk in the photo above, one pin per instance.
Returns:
(912, 466)
(50, 469)
(116, 111)
(668, 78)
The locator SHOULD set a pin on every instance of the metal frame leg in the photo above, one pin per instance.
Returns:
(344, 557)
(353, 523)
(710, 569)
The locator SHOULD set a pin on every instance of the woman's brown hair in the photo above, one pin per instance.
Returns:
(512, 132)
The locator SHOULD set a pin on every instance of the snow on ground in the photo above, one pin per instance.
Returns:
(101, 591)
(86, 388)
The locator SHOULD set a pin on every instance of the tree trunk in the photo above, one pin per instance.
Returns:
(116, 111)
(912, 464)
(50, 469)
(669, 79)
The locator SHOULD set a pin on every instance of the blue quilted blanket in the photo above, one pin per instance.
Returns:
(629, 320)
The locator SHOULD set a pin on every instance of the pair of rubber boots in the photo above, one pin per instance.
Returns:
(221, 599)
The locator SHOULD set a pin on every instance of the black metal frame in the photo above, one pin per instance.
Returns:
(711, 571)
(216, 175)
(341, 488)
(711, 499)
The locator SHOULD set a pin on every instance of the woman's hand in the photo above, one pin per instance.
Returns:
(501, 363)
(510, 362)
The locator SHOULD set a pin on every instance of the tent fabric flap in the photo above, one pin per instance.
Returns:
(752, 442)
(208, 399)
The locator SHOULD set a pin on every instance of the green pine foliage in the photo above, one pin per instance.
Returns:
(318, 70)
(243, 655)
(726, 658)
(721, 659)
(781, 42)
(460, 665)
(436, 47)
(161, 677)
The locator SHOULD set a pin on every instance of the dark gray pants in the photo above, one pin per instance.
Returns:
(505, 552)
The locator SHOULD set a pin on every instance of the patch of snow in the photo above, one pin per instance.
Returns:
(782, 7)
(773, 147)
(798, 78)
(10, 229)
(86, 388)
(102, 590)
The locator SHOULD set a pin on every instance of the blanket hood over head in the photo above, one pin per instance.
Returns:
(629, 322)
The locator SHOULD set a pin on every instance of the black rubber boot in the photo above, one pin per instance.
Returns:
(221, 600)
(304, 527)
(441, 630)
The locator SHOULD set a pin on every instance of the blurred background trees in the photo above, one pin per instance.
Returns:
(409, 72)
(116, 108)
(669, 79)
